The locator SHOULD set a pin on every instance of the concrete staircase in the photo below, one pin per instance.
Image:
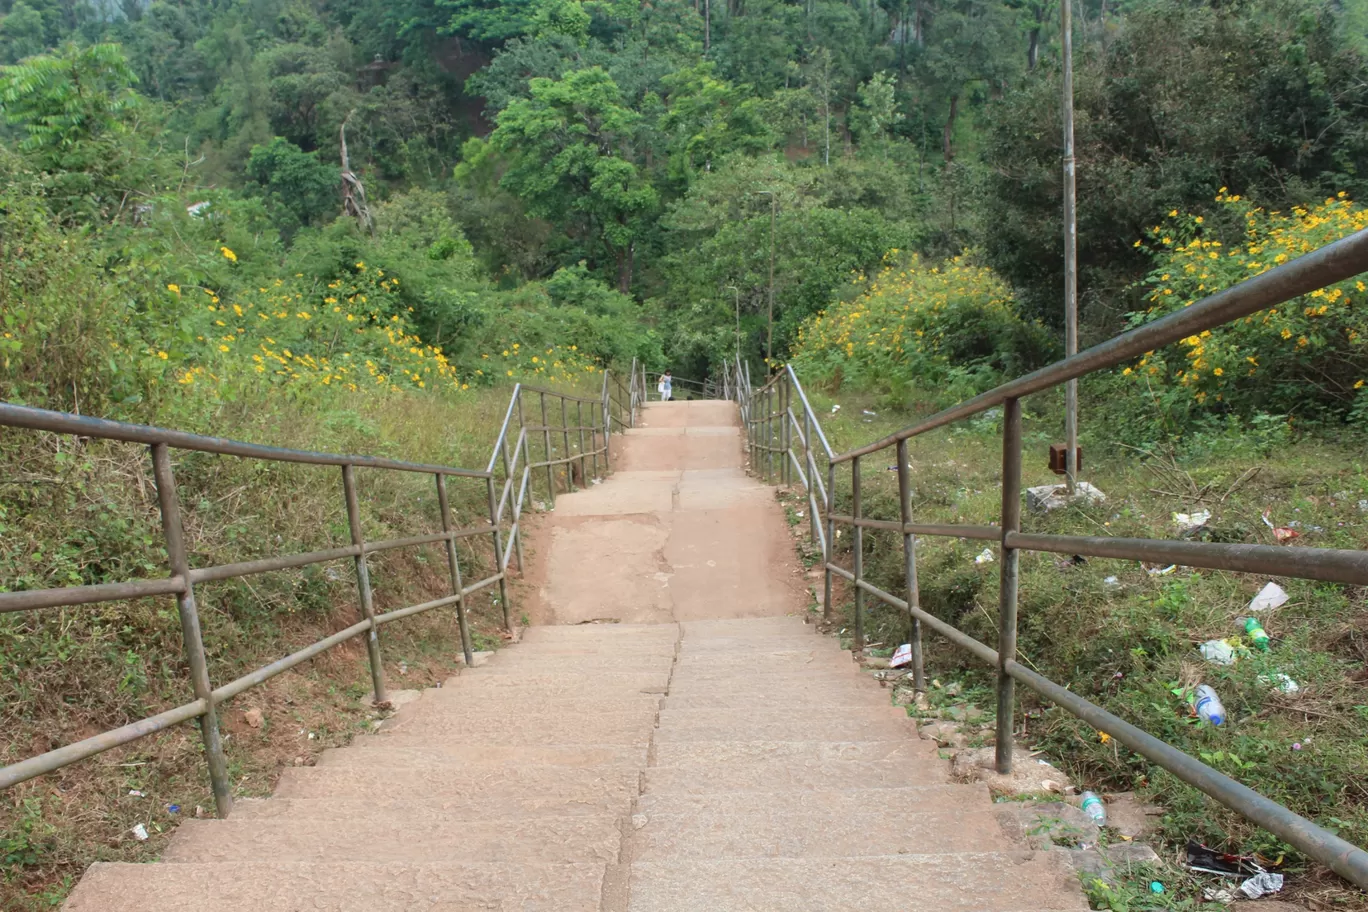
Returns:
(677, 765)
(708, 766)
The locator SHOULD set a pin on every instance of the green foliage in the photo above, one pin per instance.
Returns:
(301, 189)
(951, 328)
(1305, 358)
(1178, 101)
(569, 146)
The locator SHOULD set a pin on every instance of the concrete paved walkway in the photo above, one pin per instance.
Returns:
(679, 532)
(680, 765)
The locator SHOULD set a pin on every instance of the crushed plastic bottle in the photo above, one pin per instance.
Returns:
(1218, 652)
(1209, 706)
(1257, 634)
(1094, 808)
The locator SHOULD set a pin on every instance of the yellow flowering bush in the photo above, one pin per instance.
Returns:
(1308, 356)
(347, 332)
(951, 327)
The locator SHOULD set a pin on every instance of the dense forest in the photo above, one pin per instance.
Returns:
(669, 180)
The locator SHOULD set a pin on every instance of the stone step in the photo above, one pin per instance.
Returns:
(571, 684)
(722, 645)
(732, 627)
(589, 647)
(354, 885)
(524, 728)
(604, 633)
(688, 753)
(871, 805)
(809, 824)
(520, 840)
(536, 663)
(823, 671)
(448, 699)
(767, 660)
(800, 717)
(778, 699)
(484, 786)
(964, 882)
(386, 752)
(793, 775)
(418, 807)
(726, 726)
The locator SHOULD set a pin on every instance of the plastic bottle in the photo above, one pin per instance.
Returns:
(1209, 707)
(1256, 633)
(1094, 808)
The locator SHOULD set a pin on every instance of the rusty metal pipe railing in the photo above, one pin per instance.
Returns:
(182, 579)
(1333, 263)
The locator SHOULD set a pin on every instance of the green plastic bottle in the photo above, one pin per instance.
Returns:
(1256, 633)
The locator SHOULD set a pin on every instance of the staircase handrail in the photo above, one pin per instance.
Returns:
(772, 429)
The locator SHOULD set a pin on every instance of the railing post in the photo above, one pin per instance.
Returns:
(513, 499)
(858, 512)
(1007, 600)
(607, 426)
(811, 465)
(454, 567)
(788, 430)
(546, 439)
(579, 422)
(914, 633)
(169, 503)
(769, 433)
(499, 562)
(363, 584)
(565, 438)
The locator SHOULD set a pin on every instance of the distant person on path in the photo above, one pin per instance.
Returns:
(665, 387)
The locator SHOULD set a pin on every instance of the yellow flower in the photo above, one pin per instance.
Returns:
(223, 348)
(1358, 385)
(1218, 372)
(1103, 737)
(174, 289)
(361, 266)
(164, 356)
(232, 257)
(510, 373)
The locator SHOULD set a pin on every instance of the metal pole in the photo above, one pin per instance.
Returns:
(769, 342)
(914, 634)
(1007, 599)
(1070, 250)
(579, 421)
(858, 533)
(513, 500)
(769, 433)
(607, 426)
(830, 554)
(498, 558)
(363, 584)
(785, 433)
(811, 465)
(454, 567)
(546, 441)
(191, 635)
(565, 439)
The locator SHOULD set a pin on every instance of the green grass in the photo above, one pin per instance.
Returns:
(1131, 646)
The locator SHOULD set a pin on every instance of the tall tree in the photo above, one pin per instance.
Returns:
(572, 161)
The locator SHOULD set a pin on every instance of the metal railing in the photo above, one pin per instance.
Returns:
(788, 450)
(509, 478)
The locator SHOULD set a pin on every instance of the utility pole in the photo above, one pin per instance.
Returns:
(736, 292)
(707, 26)
(1070, 251)
(769, 340)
